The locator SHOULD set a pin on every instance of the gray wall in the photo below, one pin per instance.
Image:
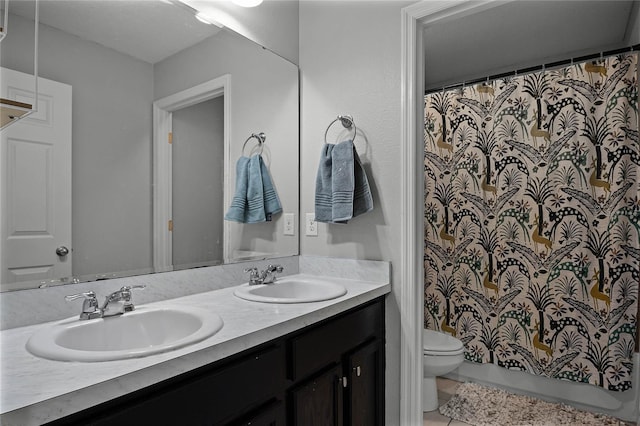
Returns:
(507, 38)
(198, 198)
(633, 31)
(264, 98)
(111, 160)
(350, 64)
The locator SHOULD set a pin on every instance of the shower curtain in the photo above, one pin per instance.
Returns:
(532, 220)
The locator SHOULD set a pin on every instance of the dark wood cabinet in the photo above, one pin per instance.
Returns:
(330, 373)
(365, 386)
(319, 400)
(273, 414)
(349, 393)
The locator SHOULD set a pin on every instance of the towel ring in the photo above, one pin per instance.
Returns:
(347, 123)
(261, 137)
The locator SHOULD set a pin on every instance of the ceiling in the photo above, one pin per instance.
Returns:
(150, 30)
(521, 34)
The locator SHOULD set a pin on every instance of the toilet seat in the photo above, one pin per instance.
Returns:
(435, 343)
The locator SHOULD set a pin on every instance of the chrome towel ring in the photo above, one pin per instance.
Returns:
(261, 137)
(347, 123)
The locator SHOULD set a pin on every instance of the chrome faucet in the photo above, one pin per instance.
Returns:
(119, 302)
(268, 276)
(116, 303)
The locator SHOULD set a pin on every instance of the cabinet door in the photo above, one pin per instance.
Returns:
(318, 401)
(364, 399)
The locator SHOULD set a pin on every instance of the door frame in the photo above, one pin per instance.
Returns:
(413, 19)
(162, 163)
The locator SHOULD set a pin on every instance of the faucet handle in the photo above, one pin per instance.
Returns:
(126, 294)
(254, 275)
(276, 268)
(87, 296)
(90, 308)
(133, 287)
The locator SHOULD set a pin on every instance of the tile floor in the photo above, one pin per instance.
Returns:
(446, 389)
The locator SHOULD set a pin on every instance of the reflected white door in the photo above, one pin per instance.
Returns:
(35, 183)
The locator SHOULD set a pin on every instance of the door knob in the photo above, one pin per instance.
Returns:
(62, 251)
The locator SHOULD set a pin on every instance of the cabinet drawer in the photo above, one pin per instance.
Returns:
(213, 397)
(325, 343)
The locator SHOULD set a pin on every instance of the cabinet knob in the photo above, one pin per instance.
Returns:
(357, 371)
(345, 382)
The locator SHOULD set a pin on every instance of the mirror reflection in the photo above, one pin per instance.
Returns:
(104, 65)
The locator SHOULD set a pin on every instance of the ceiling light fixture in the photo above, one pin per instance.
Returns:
(247, 3)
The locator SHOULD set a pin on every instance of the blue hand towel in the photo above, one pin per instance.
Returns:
(255, 193)
(362, 199)
(271, 201)
(323, 203)
(342, 182)
(238, 207)
(342, 187)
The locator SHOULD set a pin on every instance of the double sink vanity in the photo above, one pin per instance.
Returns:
(306, 348)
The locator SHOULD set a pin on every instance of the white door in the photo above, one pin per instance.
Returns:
(35, 183)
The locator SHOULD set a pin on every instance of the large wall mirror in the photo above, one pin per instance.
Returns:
(119, 63)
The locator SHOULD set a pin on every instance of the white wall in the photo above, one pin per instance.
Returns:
(111, 160)
(350, 64)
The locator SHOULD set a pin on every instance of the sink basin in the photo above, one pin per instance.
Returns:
(294, 289)
(145, 331)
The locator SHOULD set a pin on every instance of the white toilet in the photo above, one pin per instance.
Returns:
(442, 354)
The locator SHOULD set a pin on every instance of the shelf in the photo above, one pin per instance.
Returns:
(12, 110)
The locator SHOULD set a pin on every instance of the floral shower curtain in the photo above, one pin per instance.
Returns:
(532, 220)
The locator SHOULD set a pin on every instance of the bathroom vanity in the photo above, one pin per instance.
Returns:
(328, 373)
(272, 364)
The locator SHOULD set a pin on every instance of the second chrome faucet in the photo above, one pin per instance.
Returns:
(268, 276)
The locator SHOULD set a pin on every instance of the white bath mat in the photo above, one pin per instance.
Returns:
(485, 406)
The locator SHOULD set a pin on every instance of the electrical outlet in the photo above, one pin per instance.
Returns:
(311, 225)
(289, 224)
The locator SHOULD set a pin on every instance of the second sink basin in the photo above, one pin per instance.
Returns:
(145, 331)
(293, 289)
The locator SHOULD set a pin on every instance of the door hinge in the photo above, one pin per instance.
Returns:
(170, 138)
(171, 226)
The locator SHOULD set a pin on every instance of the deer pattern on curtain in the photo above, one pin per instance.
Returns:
(532, 220)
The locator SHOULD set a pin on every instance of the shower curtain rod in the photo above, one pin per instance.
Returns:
(529, 70)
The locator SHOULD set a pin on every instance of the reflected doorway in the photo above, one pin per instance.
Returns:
(198, 191)
(163, 112)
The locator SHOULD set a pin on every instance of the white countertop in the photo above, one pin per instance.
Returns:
(34, 390)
